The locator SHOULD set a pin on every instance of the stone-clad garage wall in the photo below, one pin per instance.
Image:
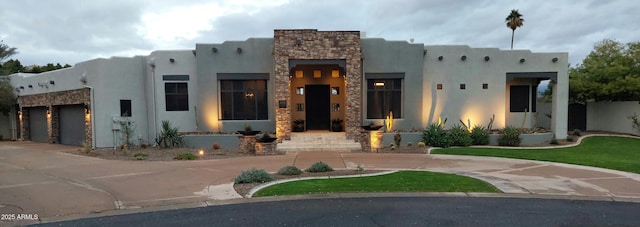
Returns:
(52, 101)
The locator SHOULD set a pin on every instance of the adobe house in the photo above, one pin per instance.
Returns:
(268, 83)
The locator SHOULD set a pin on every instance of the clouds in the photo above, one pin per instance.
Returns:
(72, 31)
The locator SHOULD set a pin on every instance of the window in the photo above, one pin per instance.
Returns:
(519, 98)
(125, 108)
(384, 96)
(485, 86)
(243, 99)
(439, 86)
(463, 86)
(176, 96)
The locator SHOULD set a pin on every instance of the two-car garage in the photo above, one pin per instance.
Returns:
(68, 123)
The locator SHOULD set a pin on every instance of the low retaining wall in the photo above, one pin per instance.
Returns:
(413, 137)
(526, 139)
(229, 141)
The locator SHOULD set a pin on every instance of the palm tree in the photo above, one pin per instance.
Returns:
(514, 21)
(6, 51)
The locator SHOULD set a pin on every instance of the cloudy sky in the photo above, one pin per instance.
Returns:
(68, 31)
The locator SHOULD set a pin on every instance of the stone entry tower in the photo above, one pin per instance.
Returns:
(311, 44)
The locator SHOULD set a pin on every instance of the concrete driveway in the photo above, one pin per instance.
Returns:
(37, 178)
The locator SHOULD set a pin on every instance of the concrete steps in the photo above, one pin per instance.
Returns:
(318, 141)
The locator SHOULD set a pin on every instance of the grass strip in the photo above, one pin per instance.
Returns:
(401, 181)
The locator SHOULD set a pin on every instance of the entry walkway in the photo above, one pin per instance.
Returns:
(40, 179)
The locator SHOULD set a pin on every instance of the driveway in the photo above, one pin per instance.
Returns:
(37, 178)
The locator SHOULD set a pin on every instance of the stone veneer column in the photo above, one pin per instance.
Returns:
(318, 45)
(24, 125)
(247, 144)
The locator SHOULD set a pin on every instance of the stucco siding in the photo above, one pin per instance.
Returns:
(612, 116)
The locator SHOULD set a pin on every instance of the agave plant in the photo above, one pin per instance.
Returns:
(169, 136)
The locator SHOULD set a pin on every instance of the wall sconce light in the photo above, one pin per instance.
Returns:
(554, 60)
(317, 74)
(20, 114)
(440, 58)
(298, 42)
(336, 42)
(48, 111)
(486, 58)
(521, 60)
(214, 50)
(172, 60)
(335, 73)
(464, 57)
(22, 87)
(52, 82)
(87, 109)
(239, 50)
(248, 93)
(299, 74)
(30, 86)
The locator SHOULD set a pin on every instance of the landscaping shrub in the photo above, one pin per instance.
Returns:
(397, 138)
(409, 144)
(169, 136)
(421, 144)
(459, 136)
(140, 156)
(436, 136)
(289, 170)
(253, 176)
(569, 138)
(577, 132)
(479, 135)
(319, 167)
(186, 156)
(510, 137)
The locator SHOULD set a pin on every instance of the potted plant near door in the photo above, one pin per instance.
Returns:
(266, 138)
(298, 125)
(336, 125)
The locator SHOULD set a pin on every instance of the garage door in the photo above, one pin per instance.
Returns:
(38, 124)
(71, 124)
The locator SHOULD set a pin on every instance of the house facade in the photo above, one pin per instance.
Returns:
(268, 83)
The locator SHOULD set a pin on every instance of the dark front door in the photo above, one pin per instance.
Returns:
(317, 111)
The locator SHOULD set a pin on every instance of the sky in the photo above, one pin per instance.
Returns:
(69, 32)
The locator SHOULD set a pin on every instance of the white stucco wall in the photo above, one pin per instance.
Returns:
(477, 104)
(184, 64)
(612, 116)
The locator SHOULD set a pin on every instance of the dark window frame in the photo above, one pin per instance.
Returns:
(176, 96)
(390, 95)
(125, 108)
(234, 96)
(517, 96)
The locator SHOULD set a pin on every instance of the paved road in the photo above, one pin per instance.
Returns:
(38, 178)
(403, 211)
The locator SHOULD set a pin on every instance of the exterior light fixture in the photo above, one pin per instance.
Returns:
(298, 42)
(336, 42)
(248, 93)
(464, 57)
(335, 73)
(486, 58)
(378, 84)
(440, 58)
(521, 60)
(201, 152)
(214, 50)
(299, 74)
(239, 50)
(87, 109)
(172, 60)
(317, 74)
(554, 60)
(48, 111)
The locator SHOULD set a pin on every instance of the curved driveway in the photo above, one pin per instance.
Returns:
(38, 178)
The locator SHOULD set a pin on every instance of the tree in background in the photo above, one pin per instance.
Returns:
(514, 21)
(7, 97)
(611, 72)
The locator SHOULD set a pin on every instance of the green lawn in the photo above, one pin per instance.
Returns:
(619, 153)
(402, 181)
